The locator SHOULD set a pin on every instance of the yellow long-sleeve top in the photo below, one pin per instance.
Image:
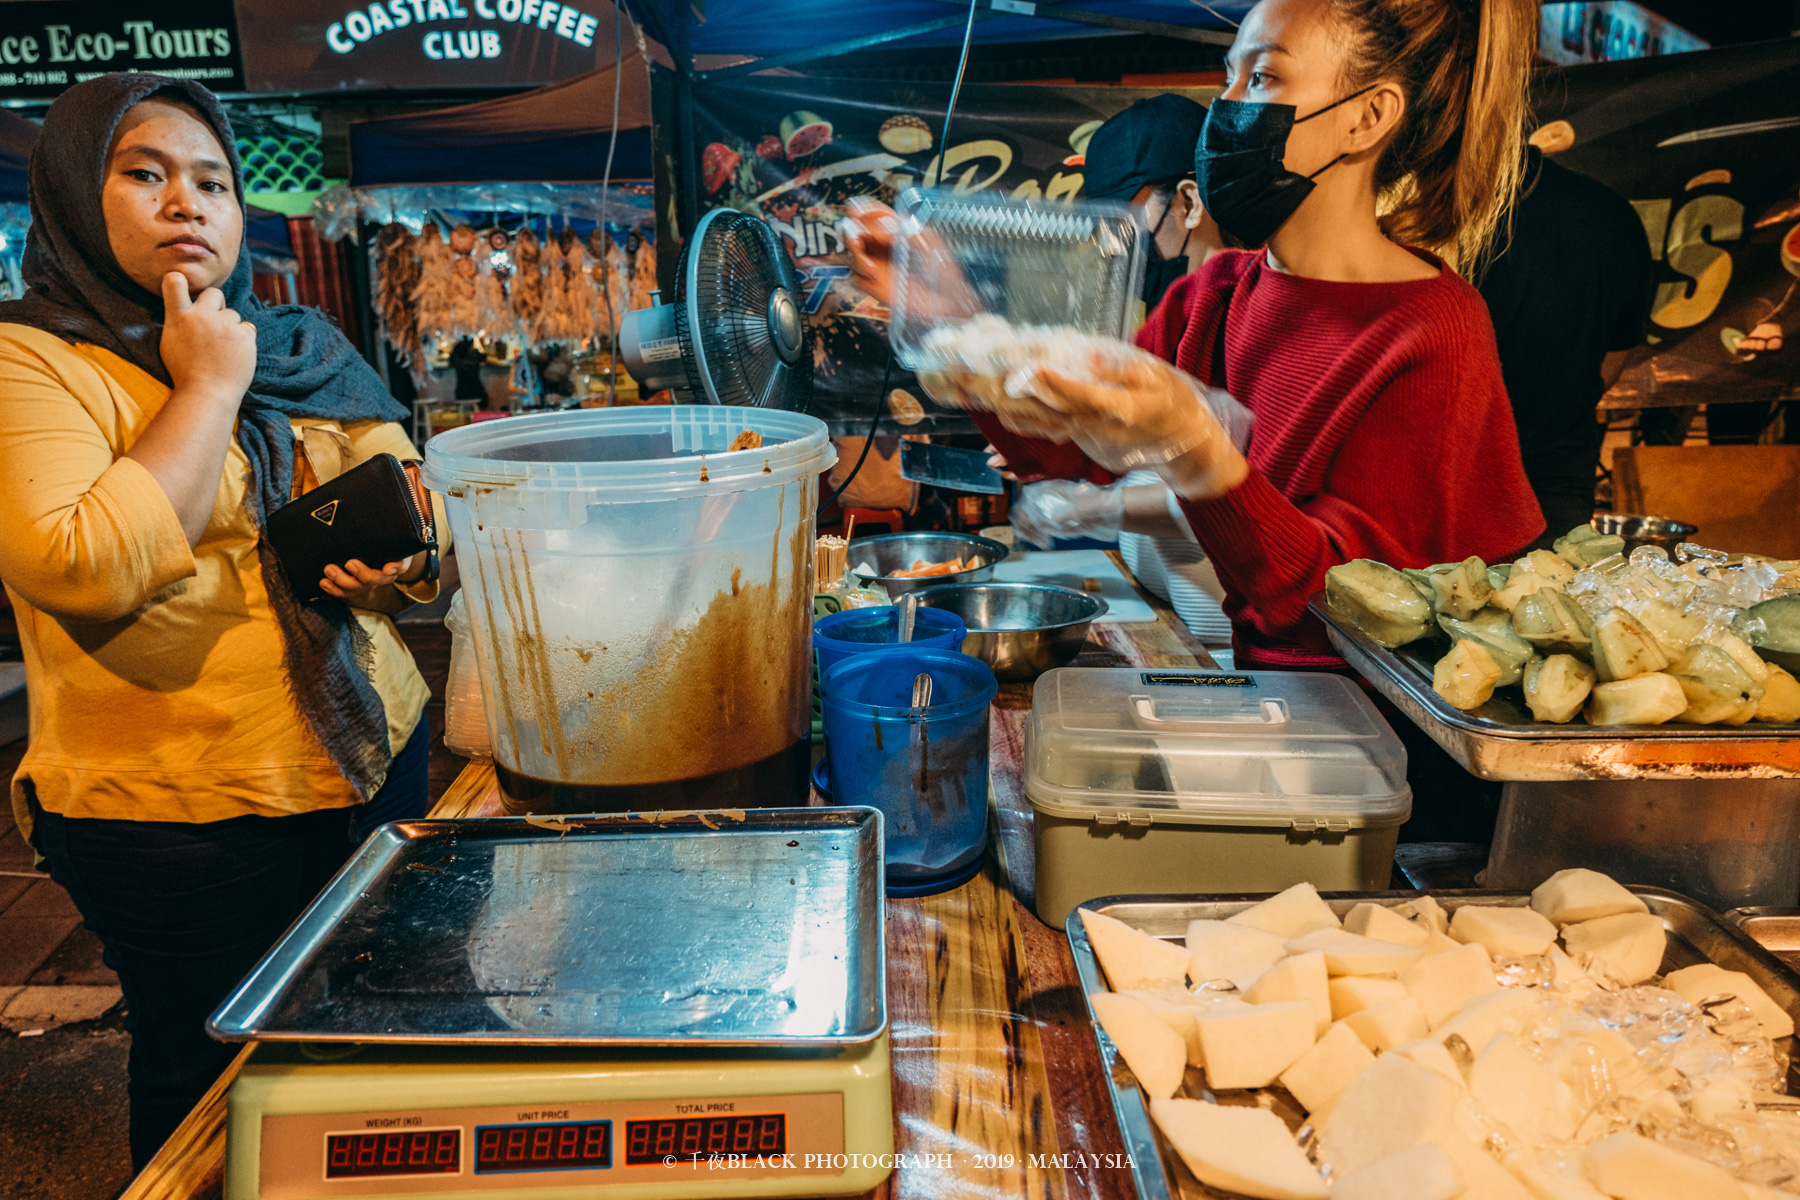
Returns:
(154, 671)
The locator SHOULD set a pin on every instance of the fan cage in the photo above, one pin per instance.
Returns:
(722, 316)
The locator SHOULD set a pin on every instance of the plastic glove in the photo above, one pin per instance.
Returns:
(1067, 508)
(1128, 409)
(868, 233)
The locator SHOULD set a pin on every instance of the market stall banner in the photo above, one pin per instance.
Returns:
(793, 151)
(1706, 146)
(331, 45)
(47, 45)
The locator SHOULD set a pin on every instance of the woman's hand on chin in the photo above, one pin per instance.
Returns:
(206, 346)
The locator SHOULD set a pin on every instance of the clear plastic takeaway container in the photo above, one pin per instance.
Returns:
(1181, 781)
(1077, 265)
(640, 599)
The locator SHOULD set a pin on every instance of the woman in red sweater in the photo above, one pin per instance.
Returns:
(1368, 146)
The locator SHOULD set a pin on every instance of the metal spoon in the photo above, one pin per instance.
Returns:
(921, 691)
(909, 611)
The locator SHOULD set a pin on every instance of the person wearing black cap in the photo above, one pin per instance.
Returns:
(1145, 156)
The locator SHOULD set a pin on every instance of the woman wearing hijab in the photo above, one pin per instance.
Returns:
(200, 739)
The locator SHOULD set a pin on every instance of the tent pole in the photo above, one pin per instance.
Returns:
(687, 182)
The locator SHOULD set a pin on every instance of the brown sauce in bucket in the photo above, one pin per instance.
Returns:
(712, 714)
(779, 781)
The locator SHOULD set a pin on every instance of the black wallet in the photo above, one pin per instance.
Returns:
(378, 512)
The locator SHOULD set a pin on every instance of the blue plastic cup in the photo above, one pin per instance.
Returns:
(926, 770)
(877, 630)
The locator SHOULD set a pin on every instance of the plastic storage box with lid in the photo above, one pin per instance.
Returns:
(1147, 781)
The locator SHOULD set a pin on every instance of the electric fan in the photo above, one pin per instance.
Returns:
(734, 334)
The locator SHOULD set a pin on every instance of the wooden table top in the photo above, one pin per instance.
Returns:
(996, 1074)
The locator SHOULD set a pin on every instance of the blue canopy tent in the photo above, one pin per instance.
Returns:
(17, 137)
(782, 29)
(787, 33)
(554, 134)
(266, 233)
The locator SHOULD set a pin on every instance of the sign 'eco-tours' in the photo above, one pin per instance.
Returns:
(46, 45)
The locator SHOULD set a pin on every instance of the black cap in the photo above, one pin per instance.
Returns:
(1151, 142)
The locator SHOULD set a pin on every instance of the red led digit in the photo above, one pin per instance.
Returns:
(402, 1152)
(515, 1144)
(593, 1144)
(665, 1137)
(743, 1134)
(568, 1139)
(691, 1133)
(541, 1139)
(637, 1139)
(769, 1137)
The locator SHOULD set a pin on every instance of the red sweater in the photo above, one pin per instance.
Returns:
(1383, 431)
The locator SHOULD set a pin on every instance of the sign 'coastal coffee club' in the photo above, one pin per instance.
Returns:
(363, 24)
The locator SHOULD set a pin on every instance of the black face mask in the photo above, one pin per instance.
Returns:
(1161, 273)
(1238, 166)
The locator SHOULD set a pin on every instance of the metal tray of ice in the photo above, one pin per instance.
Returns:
(759, 927)
(1695, 935)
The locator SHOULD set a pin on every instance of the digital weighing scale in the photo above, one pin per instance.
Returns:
(645, 1005)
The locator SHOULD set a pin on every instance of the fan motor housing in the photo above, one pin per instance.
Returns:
(785, 326)
(651, 349)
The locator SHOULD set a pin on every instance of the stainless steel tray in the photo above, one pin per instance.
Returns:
(758, 927)
(1500, 740)
(1776, 930)
(1696, 935)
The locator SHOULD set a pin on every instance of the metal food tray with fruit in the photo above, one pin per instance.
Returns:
(1585, 1040)
(1582, 663)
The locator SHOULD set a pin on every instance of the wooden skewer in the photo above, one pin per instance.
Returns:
(850, 529)
(829, 556)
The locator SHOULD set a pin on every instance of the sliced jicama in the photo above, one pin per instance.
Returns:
(1238, 1148)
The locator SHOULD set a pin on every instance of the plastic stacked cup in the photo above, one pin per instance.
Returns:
(926, 768)
(877, 631)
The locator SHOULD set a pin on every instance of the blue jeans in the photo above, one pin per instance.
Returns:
(183, 911)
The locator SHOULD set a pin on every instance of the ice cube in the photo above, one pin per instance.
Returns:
(1694, 552)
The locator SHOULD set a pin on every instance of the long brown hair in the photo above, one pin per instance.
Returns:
(1449, 175)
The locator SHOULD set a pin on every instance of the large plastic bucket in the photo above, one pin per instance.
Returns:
(641, 601)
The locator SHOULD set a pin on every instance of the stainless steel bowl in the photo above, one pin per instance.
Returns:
(889, 552)
(1646, 531)
(1019, 629)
